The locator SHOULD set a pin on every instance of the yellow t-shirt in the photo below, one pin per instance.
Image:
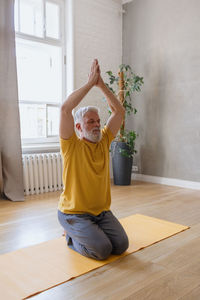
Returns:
(86, 175)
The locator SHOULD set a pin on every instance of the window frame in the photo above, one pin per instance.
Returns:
(61, 42)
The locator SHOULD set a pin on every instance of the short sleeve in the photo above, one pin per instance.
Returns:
(107, 135)
(67, 146)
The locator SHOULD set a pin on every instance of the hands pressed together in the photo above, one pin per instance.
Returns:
(95, 78)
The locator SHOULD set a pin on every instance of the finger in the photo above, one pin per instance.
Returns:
(95, 62)
(93, 65)
(98, 69)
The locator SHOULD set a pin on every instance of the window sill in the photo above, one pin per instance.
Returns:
(41, 148)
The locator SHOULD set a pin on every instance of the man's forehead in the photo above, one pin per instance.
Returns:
(91, 115)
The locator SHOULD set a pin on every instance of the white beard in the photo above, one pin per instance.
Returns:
(93, 135)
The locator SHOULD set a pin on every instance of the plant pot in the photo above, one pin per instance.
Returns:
(122, 165)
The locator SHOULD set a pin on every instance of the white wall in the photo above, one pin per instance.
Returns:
(96, 32)
(161, 42)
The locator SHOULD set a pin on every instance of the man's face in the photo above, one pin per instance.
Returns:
(90, 127)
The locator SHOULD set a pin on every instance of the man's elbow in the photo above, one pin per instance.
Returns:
(65, 108)
(120, 112)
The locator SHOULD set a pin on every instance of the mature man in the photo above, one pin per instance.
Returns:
(84, 206)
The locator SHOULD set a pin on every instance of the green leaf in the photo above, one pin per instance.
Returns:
(109, 73)
(132, 84)
(127, 94)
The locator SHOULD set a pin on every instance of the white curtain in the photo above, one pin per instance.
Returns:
(10, 142)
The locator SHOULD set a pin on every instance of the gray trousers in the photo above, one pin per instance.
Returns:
(94, 236)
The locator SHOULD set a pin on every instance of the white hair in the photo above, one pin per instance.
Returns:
(78, 117)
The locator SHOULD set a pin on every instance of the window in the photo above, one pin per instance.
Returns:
(40, 56)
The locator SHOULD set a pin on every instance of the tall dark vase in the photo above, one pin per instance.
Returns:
(122, 165)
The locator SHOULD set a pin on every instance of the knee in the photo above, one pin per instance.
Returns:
(121, 246)
(103, 250)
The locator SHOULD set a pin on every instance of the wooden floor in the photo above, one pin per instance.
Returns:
(167, 270)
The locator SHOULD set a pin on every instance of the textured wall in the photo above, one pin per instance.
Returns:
(161, 40)
(97, 34)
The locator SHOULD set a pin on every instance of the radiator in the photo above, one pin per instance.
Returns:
(42, 173)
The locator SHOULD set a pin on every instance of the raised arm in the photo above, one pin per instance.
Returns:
(66, 117)
(118, 111)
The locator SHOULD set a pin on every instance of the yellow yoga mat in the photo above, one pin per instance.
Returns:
(31, 270)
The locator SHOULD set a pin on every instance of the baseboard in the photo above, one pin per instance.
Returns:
(168, 181)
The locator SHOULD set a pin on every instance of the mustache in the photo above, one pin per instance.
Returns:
(95, 129)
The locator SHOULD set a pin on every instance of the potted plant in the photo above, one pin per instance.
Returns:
(123, 147)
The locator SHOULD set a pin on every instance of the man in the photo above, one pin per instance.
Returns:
(84, 206)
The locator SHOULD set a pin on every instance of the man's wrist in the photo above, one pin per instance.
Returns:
(102, 85)
(89, 85)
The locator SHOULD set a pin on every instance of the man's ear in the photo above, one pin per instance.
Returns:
(78, 127)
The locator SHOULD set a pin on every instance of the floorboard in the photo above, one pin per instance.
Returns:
(168, 270)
